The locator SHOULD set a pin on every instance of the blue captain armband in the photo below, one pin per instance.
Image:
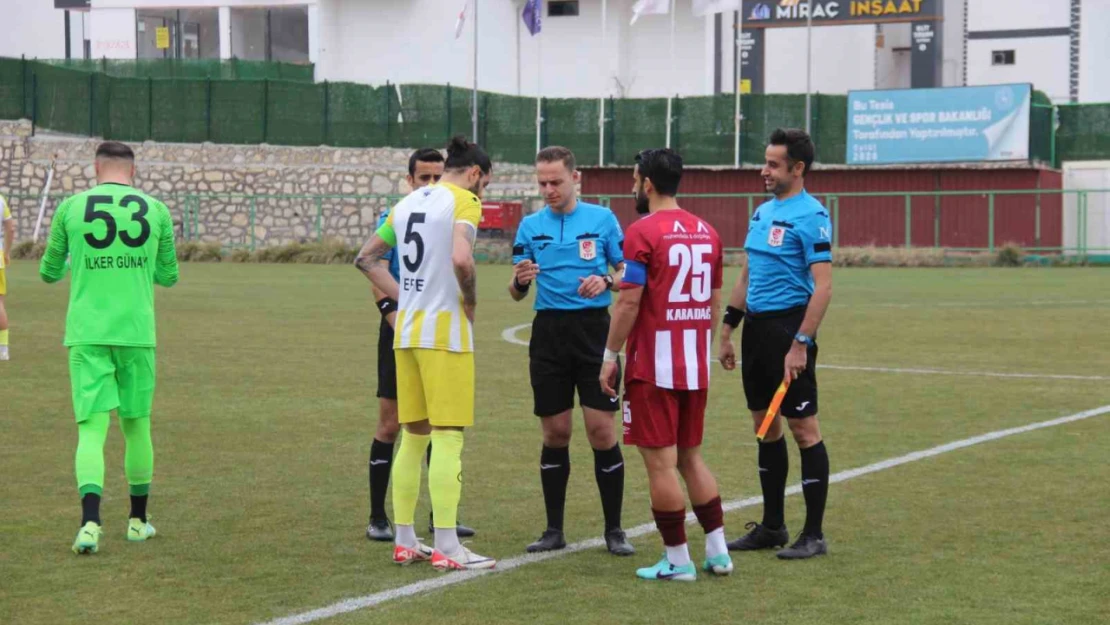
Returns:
(634, 273)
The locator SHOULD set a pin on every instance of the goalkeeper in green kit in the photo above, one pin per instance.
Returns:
(120, 243)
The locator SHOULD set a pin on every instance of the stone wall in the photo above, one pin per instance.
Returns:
(239, 195)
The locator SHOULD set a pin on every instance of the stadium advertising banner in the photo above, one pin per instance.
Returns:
(926, 52)
(939, 125)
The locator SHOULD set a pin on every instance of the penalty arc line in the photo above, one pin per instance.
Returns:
(450, 579)
(509, 335)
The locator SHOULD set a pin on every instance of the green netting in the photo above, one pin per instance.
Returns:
(703, 130)
(128, 109)
(238, 111)
(11, 88)
(1041, 119)
(637, 125)
(356, 115)
(572, 123)
(507, 127)
(423, 116)
(763, 113)
(829, 127)
(189, 68)
(62, 102)
(1084, 132)
(295, 113)
(180, 110)
(461, 122)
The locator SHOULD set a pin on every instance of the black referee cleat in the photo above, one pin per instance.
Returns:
(380, 530)
(552, 540)
(460, 529)
(760, 538)
(617, 543)
(805, 547)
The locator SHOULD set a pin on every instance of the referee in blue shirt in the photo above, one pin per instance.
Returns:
(566, 250)
(783, 294)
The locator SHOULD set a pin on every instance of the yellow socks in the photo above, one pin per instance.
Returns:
(408, 467)
(445, 477)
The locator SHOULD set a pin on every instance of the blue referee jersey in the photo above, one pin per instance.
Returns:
(585, 242)
(784, 239)
(391, 256)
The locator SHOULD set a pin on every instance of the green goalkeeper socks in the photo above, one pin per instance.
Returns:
(89, 463)
(138, 457)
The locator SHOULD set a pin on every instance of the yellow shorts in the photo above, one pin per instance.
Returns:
(3, 281)
(435, 385)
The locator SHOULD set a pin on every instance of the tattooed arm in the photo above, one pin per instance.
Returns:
(369, 263)
(462, 257)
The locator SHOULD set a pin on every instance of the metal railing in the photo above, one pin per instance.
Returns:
(1055, 221)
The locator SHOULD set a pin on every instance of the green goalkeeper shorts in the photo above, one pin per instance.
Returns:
(106, 377)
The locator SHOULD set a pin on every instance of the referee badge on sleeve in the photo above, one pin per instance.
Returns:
(587, 249)
(777, 234)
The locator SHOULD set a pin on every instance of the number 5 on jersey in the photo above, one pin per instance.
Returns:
(413, 238)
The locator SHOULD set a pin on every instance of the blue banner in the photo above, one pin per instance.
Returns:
(939, 125)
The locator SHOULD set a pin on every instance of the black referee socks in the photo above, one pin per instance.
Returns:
(815, 487)
(90, 508)
(554, 475)
(773, 467)
(609, 473)
(381, 461)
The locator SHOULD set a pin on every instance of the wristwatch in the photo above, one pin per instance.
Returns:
(803, 339)
(609, 280)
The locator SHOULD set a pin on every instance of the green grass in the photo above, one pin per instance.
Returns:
(265, 410)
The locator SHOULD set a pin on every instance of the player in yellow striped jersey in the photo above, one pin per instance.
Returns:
(7, 237)
(433, 230)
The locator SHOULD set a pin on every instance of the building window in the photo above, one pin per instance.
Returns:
(1002, 57)
(178, 34)
(270, 34)
(562, 8)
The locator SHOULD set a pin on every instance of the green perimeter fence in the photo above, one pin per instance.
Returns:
(279, 104)
(1059, 222)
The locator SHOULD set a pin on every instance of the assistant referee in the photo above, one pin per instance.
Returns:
(566, 250)
(783, 292)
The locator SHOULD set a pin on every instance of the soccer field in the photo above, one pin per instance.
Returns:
(265, 411)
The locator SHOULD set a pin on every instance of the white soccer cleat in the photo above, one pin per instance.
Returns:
(462, 560)
(407, 555)
(4, 352)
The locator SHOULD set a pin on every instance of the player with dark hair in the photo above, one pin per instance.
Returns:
(433, 345)
(120, 242)
(425, 168)
(783, 294)
(567, 249)
(667, 312)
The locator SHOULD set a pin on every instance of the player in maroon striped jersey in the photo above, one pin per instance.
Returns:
(668, 309)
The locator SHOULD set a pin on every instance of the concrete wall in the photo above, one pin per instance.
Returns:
(45, 40)
(205, 180)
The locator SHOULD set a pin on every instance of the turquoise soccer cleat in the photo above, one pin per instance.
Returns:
(720, 564)
(667, 572)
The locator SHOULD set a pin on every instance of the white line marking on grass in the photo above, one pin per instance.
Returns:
(450, 579)
(510, 335)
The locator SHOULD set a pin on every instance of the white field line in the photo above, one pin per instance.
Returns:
(450, 579)
(510, 335)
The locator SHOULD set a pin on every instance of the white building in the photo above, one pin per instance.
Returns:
(1058, 45)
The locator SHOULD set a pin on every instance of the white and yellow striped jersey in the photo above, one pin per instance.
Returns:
(5, 215)
(429, 309)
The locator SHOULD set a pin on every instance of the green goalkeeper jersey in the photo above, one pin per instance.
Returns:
(120, 243)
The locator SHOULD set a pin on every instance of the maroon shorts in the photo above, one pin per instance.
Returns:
(660, 417)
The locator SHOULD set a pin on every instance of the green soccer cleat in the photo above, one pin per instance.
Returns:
(88, 539)
(138, 531)
(667, 572)
(720, 564)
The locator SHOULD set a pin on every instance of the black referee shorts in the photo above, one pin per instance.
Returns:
(387, 363)
(565, 354)
(766, 339)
